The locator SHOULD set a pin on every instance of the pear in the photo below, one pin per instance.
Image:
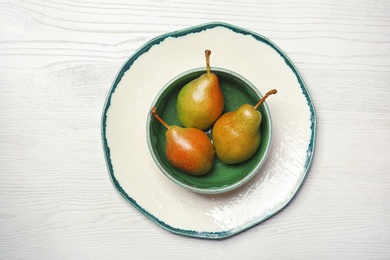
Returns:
(236, 134)
(200, 102)
(187, 149)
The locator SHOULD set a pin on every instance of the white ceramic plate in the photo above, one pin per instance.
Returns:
(138, 179)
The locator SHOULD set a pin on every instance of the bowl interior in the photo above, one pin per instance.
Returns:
(222, 177)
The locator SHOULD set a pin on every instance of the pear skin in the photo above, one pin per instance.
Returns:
(200, 102)
(187, 149)
(236, 134)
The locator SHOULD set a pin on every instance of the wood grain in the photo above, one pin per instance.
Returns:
(57, 62)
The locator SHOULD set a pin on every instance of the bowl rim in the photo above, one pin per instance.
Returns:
(214, 190)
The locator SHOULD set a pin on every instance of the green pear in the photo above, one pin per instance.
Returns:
(236, 134)
(200, 102)
(187, 149)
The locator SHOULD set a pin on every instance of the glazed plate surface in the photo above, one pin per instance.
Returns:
(132, 169)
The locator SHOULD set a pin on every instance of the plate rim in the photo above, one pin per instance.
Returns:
(175, 34)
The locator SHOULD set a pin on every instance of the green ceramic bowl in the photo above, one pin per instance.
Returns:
(222, 177)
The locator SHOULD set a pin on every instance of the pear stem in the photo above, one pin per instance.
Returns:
(271, 92)
(207, 53)
(154, 112)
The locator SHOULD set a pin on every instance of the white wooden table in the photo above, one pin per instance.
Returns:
(57, 62)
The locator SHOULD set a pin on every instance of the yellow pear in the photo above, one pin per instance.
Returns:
(236, 134)
(200, 102)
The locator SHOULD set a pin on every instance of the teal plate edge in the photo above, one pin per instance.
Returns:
(176, 34)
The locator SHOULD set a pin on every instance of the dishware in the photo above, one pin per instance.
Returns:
(222, 177)
(139, 180)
